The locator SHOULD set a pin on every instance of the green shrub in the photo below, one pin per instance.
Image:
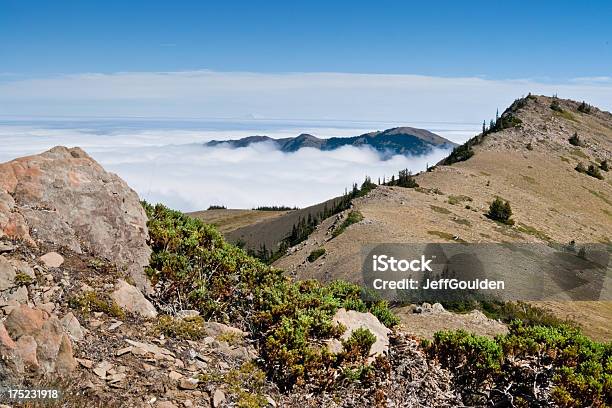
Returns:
(575, 140)
(359, 372)
(366, 186)
(582, 368)
(500, 210)
(445, 235)
(353, 217)
(354, 358)
(245, 385)
(554, 105)
(579, 153)
(91, 301)
(528, 314)
(404, 179)
(288, 321)
(473, 359)
(604, 166)
(22, 279)
(380, 309)
(188, 328)
(316, 254)
(594, 172)
(358, 345)
(577, 369)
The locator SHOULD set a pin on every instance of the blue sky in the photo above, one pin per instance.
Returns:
(544, 40)
(392, 62)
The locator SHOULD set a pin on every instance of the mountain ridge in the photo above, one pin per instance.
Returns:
(399, 140)
(529, 161)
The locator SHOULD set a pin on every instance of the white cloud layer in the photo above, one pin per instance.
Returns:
(166, 161)
(314, 96)
(188, 176)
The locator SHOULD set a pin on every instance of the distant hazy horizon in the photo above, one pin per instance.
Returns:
(166, 161)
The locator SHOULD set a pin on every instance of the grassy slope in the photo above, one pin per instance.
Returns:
(227, 221)
(550, 200)
(273, 230)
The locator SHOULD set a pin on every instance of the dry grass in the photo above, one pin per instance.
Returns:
(230, 220)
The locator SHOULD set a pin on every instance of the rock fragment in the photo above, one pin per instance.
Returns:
(130, 299)
(218, 398)
(52, 260)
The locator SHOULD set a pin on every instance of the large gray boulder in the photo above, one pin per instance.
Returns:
(64, 197)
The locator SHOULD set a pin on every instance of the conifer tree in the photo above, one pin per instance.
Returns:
(500, 210)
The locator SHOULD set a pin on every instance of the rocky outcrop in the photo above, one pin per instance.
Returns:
(64, 197)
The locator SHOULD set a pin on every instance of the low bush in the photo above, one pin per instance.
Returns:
(539, 365)
(404, 179)
(354, 358)
(90, 302)
(245, 385)
(604, 166)
(473, 359)
(353, 217)
(507, 121)
(440, 210)
(188, 328)
(22, 279)
(527, 314)
(316, 254)
(287, 320)
(433, 191)
(358, 345)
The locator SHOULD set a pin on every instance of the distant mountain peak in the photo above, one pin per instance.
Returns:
(398, 140)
